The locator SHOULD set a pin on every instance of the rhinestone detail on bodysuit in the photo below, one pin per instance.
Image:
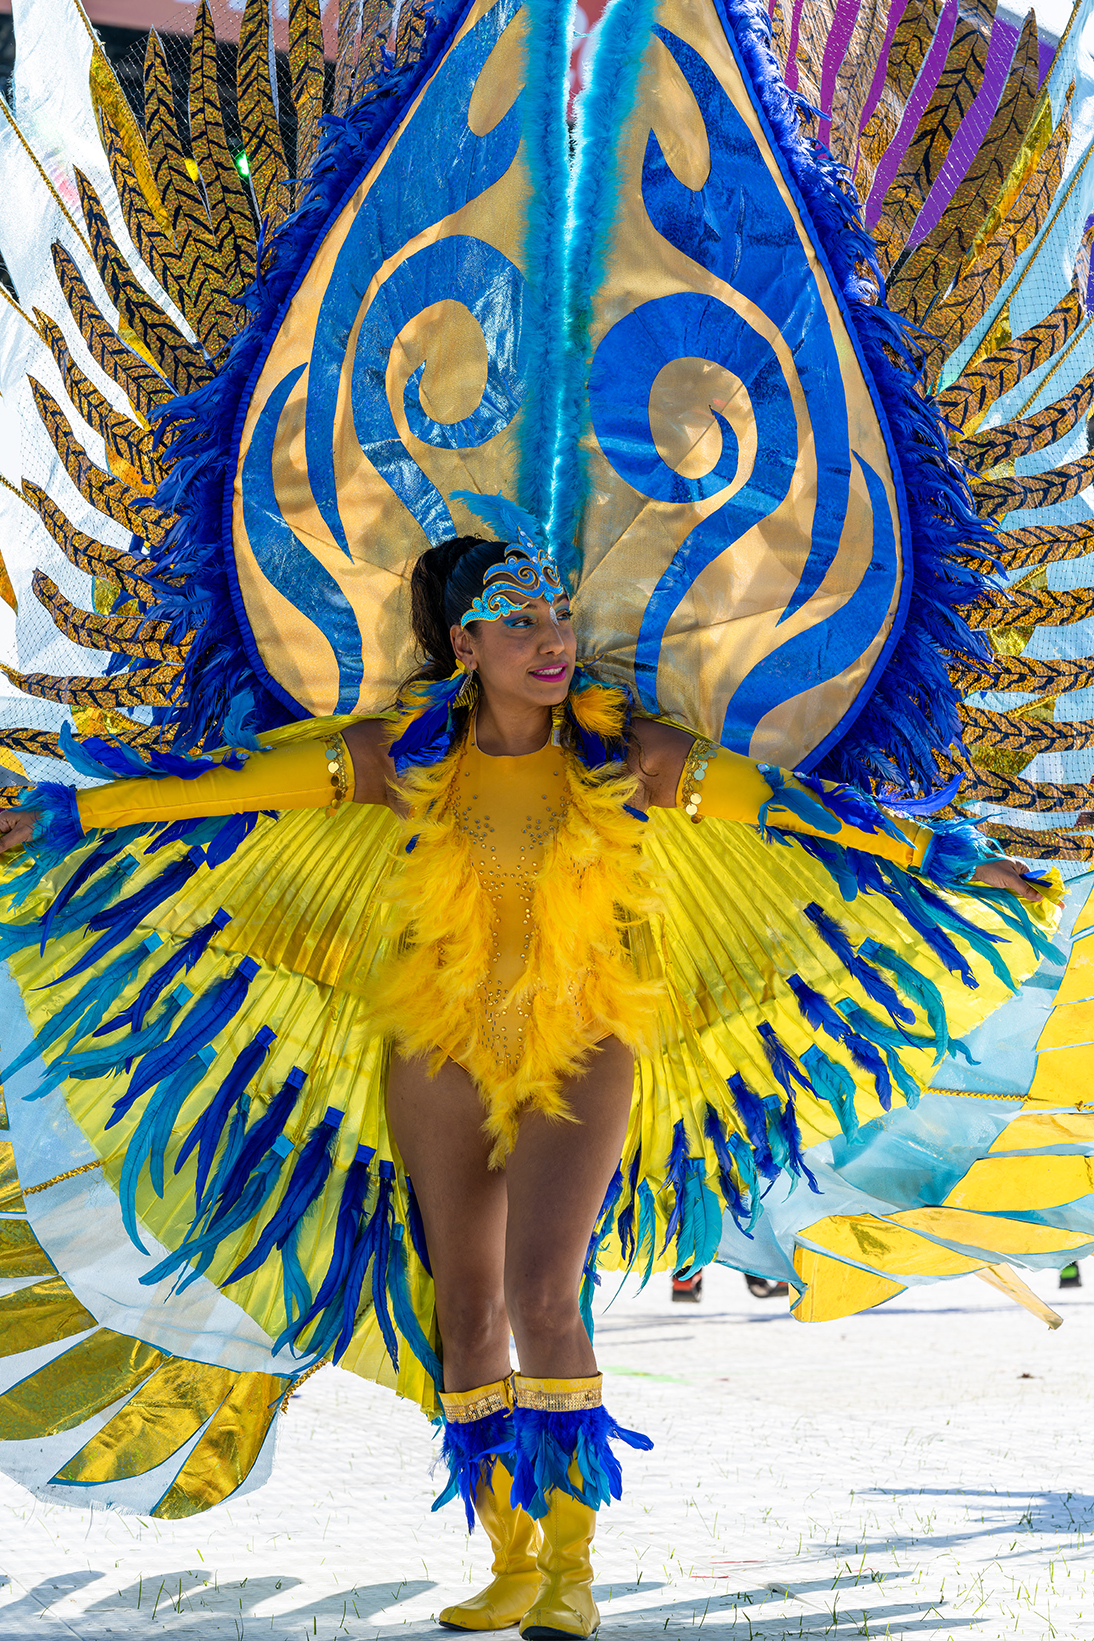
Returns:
(509, 810)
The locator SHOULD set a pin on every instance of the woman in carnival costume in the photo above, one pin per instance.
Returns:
(567, 986)
(521, 984)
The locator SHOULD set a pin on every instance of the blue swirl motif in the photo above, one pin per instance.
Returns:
(441, 165)
(739, 228)
(824, 650)
(285, 562)
(689, 325)
(491, 288)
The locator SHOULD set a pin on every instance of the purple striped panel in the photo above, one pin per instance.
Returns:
(922, 92)
(970, 133)
(877, 84)
(835, 50)
(792, 48)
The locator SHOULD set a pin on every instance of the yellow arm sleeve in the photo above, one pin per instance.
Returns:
(304, 775)
(726, 786)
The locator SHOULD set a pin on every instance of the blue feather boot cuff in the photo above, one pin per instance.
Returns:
(478, 1431)
(566, 1448)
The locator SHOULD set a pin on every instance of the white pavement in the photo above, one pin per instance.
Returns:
(925, 1470)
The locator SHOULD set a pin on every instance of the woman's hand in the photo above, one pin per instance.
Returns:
(1006, 874)
(16, 828)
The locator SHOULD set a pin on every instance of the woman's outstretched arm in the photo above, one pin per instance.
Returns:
(678, 771)
(315, 774)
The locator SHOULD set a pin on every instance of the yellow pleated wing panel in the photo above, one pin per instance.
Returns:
(305, 900)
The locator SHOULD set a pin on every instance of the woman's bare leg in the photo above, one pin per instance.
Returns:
(437, 1124)
(556, 1180)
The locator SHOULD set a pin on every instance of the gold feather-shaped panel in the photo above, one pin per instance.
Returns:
(123, 635)
(152, 686)
(111, 496)
(144, 387)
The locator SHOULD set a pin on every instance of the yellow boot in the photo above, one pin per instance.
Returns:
(564, 1605)
(564, 1469)
(516, 1541)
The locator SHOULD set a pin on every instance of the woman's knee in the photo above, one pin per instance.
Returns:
(542, 1307)
(472, 1321)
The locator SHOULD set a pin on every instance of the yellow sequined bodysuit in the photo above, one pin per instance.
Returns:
(511, 908)
(509, 810)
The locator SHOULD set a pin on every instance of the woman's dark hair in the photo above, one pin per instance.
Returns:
(443, 586)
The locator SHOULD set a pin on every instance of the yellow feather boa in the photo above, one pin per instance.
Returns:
(579, 985)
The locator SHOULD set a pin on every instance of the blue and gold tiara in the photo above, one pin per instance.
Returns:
(527, 571)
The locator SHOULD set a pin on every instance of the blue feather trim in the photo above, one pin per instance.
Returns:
(104, 760)
(916, 986)
(58, 828)
(695, 1221)
(109, 1060)
(868, 978)
(785, 1129)
(735, 1162)
(852, 807)
(207, 1130)
(590, 1279)
(213, 1009)
(471, 1451)
(834, 1083)
(118, 921)
(67, 912)
(416, 1228)
(245, 1181)
(624, 1224)
(282, 1230)
(181, 960)
(793, 802)
(955, 851)
(70, 910)
(429, 736)
(546, 1445)
(328, 1306)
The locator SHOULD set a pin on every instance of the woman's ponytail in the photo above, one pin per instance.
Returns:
(444, 584)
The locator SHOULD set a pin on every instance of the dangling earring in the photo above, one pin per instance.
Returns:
(468, 692)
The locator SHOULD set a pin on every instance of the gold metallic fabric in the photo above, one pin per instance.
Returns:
(442, 341)
(76, 1385)
(223, 1457)
(465, 1406)
(40, 1315)
(11, 1198)
(21, 1254)
(834, 1289)
(558, 1395)
(733, 615)
(169, 1408)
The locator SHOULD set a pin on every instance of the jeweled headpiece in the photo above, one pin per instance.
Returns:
(528, 571)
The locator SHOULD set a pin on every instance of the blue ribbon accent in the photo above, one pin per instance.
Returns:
(206, 1131)
(182, 958)
(120, 920)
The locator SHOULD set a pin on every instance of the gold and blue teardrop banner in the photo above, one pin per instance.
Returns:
(741, 554)
(395, 378)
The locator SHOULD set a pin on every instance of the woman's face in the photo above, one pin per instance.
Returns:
(527, 657)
